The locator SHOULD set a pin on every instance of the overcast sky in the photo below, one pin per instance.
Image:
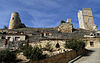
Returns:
(47, 13)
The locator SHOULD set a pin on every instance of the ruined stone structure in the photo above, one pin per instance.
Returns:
(58, 34)
(86, 21)
(15, 21)
(66, 27)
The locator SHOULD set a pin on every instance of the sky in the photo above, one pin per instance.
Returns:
(47, 13)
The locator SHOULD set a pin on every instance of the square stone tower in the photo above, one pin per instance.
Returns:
(86, 21)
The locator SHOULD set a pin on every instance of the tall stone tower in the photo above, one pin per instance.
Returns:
(86, 21)
(15, 21)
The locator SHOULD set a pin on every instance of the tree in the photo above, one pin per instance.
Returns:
(75, 44)
(48, 47)
(7, 56)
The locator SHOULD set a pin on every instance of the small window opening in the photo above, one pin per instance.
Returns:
(92, 44)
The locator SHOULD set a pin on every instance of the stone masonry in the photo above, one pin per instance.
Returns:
(15, 21)
(86, 21)
(66, 27)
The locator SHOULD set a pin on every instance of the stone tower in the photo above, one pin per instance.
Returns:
(86, 21)
(15, 21)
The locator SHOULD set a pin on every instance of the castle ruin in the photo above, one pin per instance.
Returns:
(86, 21)
(62, 32)
(66, 27)
(15, 21)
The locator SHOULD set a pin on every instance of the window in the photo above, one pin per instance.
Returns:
(92, 44)
(17, 38)
(97, 34)
(42, 34)
(9, 38)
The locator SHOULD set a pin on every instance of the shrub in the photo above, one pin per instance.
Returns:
(23, 47)
(75, 44)
(33, 53)
(48, 47)
(7, 56)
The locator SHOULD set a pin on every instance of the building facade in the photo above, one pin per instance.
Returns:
(16, 37)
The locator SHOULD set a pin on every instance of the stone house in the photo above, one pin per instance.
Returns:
(16, 37)
(92, 40)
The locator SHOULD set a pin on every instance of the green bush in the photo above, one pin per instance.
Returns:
(33, 53)
(75, 44)
(48, 47)
(23, 47)
(7, 56)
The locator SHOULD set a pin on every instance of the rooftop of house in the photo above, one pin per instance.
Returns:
(76, 34)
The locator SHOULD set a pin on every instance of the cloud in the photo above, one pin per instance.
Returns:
(94, 1)
(97, 15)
(43, 4)
(46, 13)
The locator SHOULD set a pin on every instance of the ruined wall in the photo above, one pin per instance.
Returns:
(66, 27)
(52, 42)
